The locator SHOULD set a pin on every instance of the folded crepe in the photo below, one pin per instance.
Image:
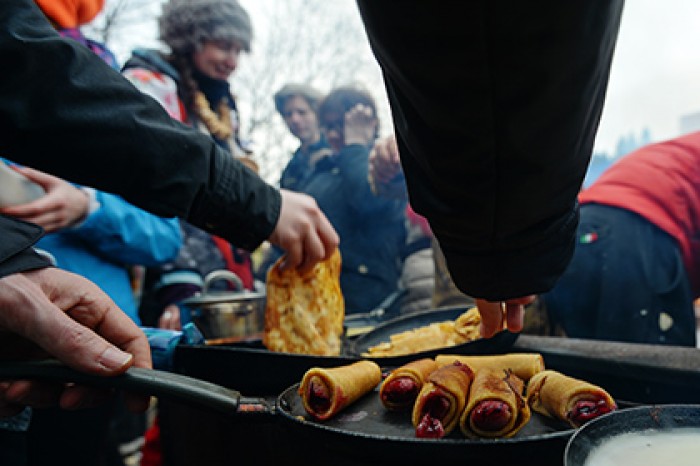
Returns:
(304, 312)
(325, 392)
(496, 407)
(523, 365)
(400, 389)
(441, 401)
(436, 335)
(571, 400)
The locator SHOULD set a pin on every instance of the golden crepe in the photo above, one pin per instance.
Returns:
(324, 392)
(436, 335)
(496, 407)
(400, 389)
(304, 313)
(572, 400)
(523, 365)
(441, 401)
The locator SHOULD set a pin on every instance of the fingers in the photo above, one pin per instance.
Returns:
(497, 315)
(42, 179)
(491, 317)
(74, 321)
(384, 159)
(170, 319)
(303, 232)
(35, 394)
(90, 315)
(515, 315)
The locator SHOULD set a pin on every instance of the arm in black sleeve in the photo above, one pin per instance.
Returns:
(495, 106)
(16, 252)
(64, 111)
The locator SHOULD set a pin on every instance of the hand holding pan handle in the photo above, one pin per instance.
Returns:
(157, 383)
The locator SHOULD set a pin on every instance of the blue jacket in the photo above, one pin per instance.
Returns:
(115, 235)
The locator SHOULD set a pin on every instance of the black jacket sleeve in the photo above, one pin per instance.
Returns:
(495, 107)
(16, 252)
(65, 111)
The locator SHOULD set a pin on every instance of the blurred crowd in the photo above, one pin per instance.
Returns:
(634, 275)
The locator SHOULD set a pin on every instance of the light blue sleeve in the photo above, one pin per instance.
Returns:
(124, 233)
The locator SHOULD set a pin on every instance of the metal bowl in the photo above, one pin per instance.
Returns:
(643, 420)
(229, 315)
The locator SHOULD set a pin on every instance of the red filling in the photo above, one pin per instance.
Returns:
(429, 427)
(400, 391)
(319, 397)
(491, 415)
(436, 408)
(586, 410)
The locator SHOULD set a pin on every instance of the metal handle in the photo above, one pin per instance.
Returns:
(227, 275)
(142, 381)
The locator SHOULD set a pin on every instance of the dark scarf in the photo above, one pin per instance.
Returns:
(214, 89)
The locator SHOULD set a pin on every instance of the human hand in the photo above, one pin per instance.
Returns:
(62, 206)
(53, 312)
(303, 231)
(494, 314)
(384, 161)
(360, 125)
(170, 318)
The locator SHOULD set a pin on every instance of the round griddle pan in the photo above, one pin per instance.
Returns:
(238, 364)
(637, 419)
(363, 433)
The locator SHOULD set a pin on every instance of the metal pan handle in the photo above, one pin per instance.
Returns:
(157, 383)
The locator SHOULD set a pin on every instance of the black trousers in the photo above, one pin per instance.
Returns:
(626, 282)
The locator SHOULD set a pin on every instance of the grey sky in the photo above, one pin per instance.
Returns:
(655, 77)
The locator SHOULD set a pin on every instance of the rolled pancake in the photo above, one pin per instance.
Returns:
(523, 365)
(325, 392)
(572, 400)
(441, 401)
(496, 407)
(400, 389)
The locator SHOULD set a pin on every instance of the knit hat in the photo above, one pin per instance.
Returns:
(186, 24)
(70, 13)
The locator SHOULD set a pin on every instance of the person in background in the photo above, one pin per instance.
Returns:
(371, 228)
(636, 268)
(206, 39)
(495, 152)
(297, 104)
(144, 156)
(418, 273)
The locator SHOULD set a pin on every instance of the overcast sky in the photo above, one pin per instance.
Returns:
(655, 77)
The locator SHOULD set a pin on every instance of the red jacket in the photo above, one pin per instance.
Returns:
(660, 182)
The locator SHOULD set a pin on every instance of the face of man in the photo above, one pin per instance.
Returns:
(217, 59)
(301, 120)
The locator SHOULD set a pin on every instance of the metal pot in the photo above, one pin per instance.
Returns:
(226, 316)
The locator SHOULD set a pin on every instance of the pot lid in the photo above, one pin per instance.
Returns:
(218, 297)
